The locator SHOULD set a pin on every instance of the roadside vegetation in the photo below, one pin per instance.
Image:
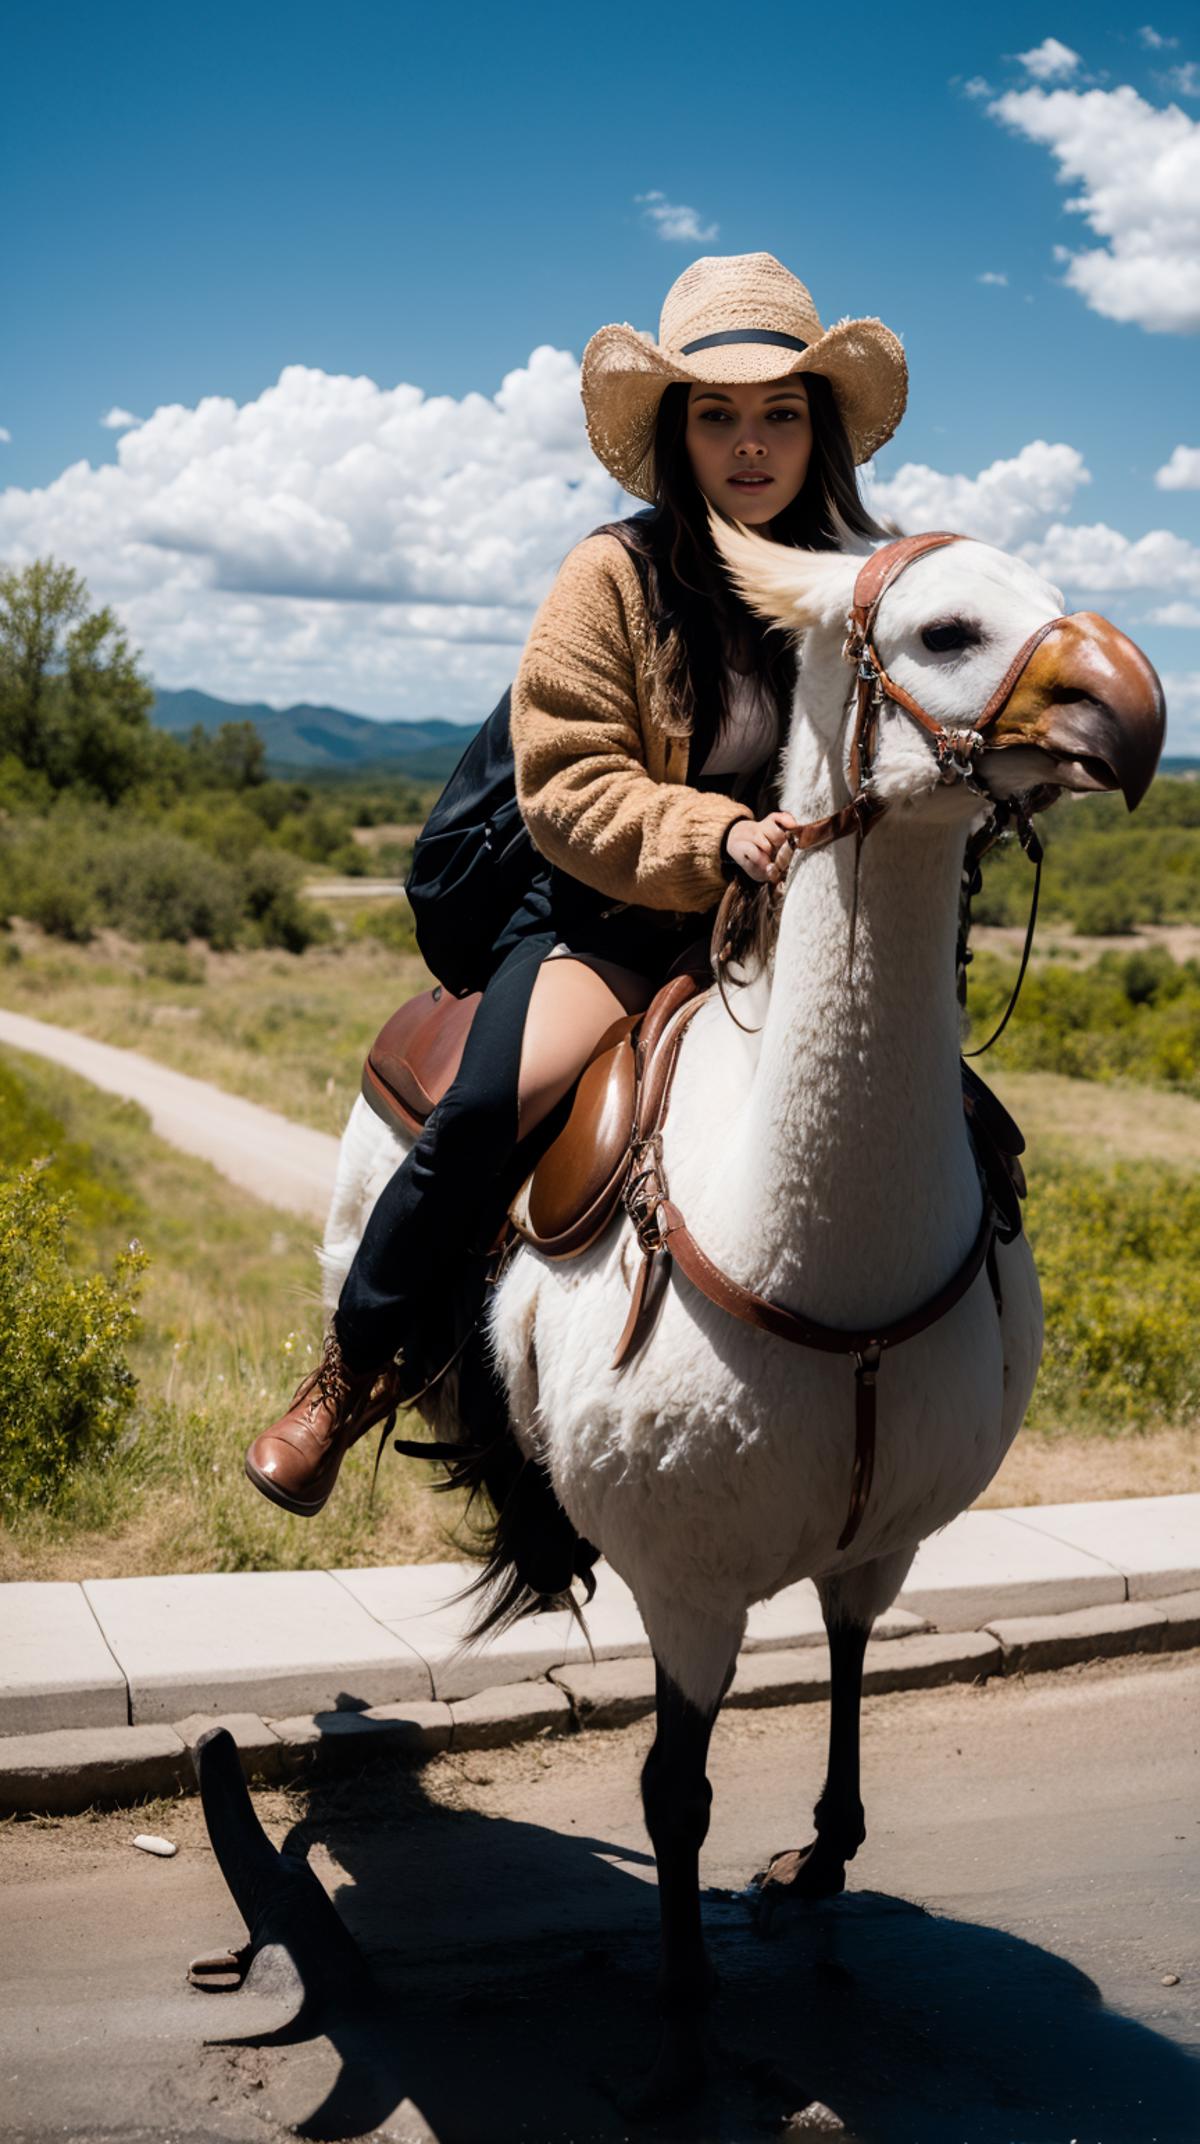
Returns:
(106, 821)
(131, 1381)
(288, 1031)
(1106, 873)
(1122, 1016)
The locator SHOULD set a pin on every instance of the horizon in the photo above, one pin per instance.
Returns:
(1169, 759)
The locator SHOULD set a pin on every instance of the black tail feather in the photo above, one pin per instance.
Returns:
(530, 1552)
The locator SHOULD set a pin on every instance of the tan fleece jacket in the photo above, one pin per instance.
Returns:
(601, 754)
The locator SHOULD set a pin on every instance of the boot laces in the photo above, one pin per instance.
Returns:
(332, 1381)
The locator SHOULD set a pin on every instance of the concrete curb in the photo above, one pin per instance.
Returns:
(291, 1644)
(80, 1768)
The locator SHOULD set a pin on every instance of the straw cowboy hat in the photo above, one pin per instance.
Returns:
(735, 318)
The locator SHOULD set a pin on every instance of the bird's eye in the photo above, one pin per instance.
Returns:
(946, 634)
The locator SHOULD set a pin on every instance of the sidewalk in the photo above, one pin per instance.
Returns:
(105, 1686)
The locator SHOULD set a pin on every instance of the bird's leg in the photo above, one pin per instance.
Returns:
(676, 1798)
(819, 1870)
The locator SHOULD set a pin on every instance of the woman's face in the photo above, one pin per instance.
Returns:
(749, 446)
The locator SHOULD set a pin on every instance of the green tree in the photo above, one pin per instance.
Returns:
(239, 755)
(74, 705)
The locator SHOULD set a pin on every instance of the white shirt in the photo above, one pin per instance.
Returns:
(749, 735)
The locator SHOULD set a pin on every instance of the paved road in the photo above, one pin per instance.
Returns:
(996, 1977)
(287, 1164)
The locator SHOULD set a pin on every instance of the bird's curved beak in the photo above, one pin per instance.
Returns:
(1090, 700)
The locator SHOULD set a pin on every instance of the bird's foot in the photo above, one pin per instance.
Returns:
(804, 1873)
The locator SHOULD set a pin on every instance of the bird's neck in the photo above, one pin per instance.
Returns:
(852, 1185)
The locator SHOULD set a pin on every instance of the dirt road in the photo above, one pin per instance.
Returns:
(997, 1976)
(287, 1164)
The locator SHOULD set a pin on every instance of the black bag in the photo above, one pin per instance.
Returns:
(474, 863)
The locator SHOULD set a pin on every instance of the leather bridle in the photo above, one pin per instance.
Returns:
(955, 749)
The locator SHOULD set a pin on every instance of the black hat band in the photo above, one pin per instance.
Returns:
(728, 335)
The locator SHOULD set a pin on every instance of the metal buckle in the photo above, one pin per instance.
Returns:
(956, 751)
(643, 1195)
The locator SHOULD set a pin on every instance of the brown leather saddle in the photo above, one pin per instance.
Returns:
(576, 1185)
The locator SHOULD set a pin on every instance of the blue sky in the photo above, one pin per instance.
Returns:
(200, 199)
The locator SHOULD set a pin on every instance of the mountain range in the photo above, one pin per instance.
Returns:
(326, 740)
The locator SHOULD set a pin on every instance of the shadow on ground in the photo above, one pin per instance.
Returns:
(514, 1975)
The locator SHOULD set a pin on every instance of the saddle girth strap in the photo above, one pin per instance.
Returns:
(783, 1324)
(664, 1235)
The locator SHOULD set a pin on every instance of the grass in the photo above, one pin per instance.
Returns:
(285, 1030)
(1048, 1466)
(230, 1316)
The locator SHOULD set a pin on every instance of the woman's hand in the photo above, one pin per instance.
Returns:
(754, 845)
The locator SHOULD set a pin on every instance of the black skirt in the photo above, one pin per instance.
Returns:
(569, 913)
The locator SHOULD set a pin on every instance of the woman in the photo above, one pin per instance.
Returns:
(646, 715)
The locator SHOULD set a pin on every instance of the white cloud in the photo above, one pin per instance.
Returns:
(993, 275)
(119, 420)
(1050, 61)
(673, 219)
(1098, 559)
(1154, 39)
(1182, 472)
(1182, 690)
(1021, 505)
(1138, 172)
(5, 436)
(978, 86)
(1005, 504)
(332, 539)
(1185, 80)
(1184, 614)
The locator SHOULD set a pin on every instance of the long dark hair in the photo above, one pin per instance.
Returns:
(700, 617)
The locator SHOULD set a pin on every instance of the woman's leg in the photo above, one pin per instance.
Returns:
(574, 1001)
(538, 1023)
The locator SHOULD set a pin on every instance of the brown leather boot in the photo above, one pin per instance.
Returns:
(295, 1462)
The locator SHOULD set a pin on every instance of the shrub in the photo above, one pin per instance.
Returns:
(391, 922)
(269, 889)
(153, 885)
(1105, 911)
(1121, 1285)
(1125, 1016)
(351, 860)
(79, 869)
(65, 1385)
(174, 964)
(61, 902)
(1105, 873)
